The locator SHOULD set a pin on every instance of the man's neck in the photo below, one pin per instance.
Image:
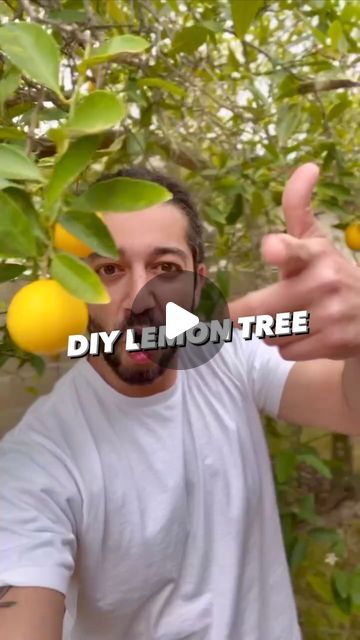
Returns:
(162, 383)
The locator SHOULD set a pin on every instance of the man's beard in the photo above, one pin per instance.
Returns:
(133, 375)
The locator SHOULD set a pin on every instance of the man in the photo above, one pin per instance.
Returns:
(144, 495)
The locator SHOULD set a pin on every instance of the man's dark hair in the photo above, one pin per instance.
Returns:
(181, 198)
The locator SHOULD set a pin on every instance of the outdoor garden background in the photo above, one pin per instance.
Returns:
(229, 96)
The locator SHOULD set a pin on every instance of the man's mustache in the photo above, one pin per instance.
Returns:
(140, 320)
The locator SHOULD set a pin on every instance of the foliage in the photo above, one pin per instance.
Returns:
(324, 559)
(229, 95)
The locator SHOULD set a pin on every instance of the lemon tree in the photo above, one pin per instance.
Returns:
(45, 229)
(90, 86)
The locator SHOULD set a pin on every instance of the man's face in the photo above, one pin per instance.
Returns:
(151, 242)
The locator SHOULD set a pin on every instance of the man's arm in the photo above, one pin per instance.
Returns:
(351, 384)
(315, 395)
(40, 507)
(31, 613)
(322, 388)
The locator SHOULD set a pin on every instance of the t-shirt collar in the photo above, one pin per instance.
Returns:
(121, 399)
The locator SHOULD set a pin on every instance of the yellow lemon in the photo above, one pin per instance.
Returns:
(66, 241)
(42, 315)
(352, 236)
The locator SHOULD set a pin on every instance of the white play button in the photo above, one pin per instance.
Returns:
(178, 320)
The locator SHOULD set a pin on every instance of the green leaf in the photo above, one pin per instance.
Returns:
(11, 271)
(116, 12)
(68, 15)
(15, 165)
(52, 113)
(60, 136)
(341, 582)
(287, 85)
(243, 14)
(20, 109)
(38, 364)
(223, 282)
(69, 166)
(237, 209)
(306, 510)
(327, 536)
(91, 230)
(319, 35)
(344, 604)
(331, 205)
(212, 25)
(5, 184)
(355, 588)
(115, 46)
(78, 278)
(7, 133)
(34, 51)
(8, 85)
(189, 39)
(5, 10)
(313, 461)
(96, 112)
(121, 195)
(340, 225)
(214, 214)
(258, 205)
(3, 359)
(351, 11)
(33, 390)
(284, 465)
(166, 85)
(338, 109)
(337, 36)
(289, 118)
(339, 191)
(16, 237)
(298, 552)
(321, 586)
(23, 201)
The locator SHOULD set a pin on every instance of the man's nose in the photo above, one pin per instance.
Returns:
(139, 297)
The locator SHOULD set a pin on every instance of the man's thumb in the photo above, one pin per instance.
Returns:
(289, 254)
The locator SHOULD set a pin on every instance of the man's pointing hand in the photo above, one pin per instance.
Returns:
(314, 276)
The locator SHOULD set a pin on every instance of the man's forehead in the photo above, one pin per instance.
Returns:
(148, 229)
(164, 213)
(149, 232)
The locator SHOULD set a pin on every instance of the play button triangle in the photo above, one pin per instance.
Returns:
(178, 320)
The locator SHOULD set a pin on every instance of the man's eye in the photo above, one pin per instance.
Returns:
(108, 270)
(169, 267)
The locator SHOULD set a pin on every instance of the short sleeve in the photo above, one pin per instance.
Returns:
(39, 507)
(266, 373)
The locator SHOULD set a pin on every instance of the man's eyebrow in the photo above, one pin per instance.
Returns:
(156, 252)
(160, 251)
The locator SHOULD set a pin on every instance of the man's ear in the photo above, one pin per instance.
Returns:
(202, 272)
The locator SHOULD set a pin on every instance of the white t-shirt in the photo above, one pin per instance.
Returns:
(155, 516)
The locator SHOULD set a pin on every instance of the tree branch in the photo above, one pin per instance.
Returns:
(34, 121)
(315, 86)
